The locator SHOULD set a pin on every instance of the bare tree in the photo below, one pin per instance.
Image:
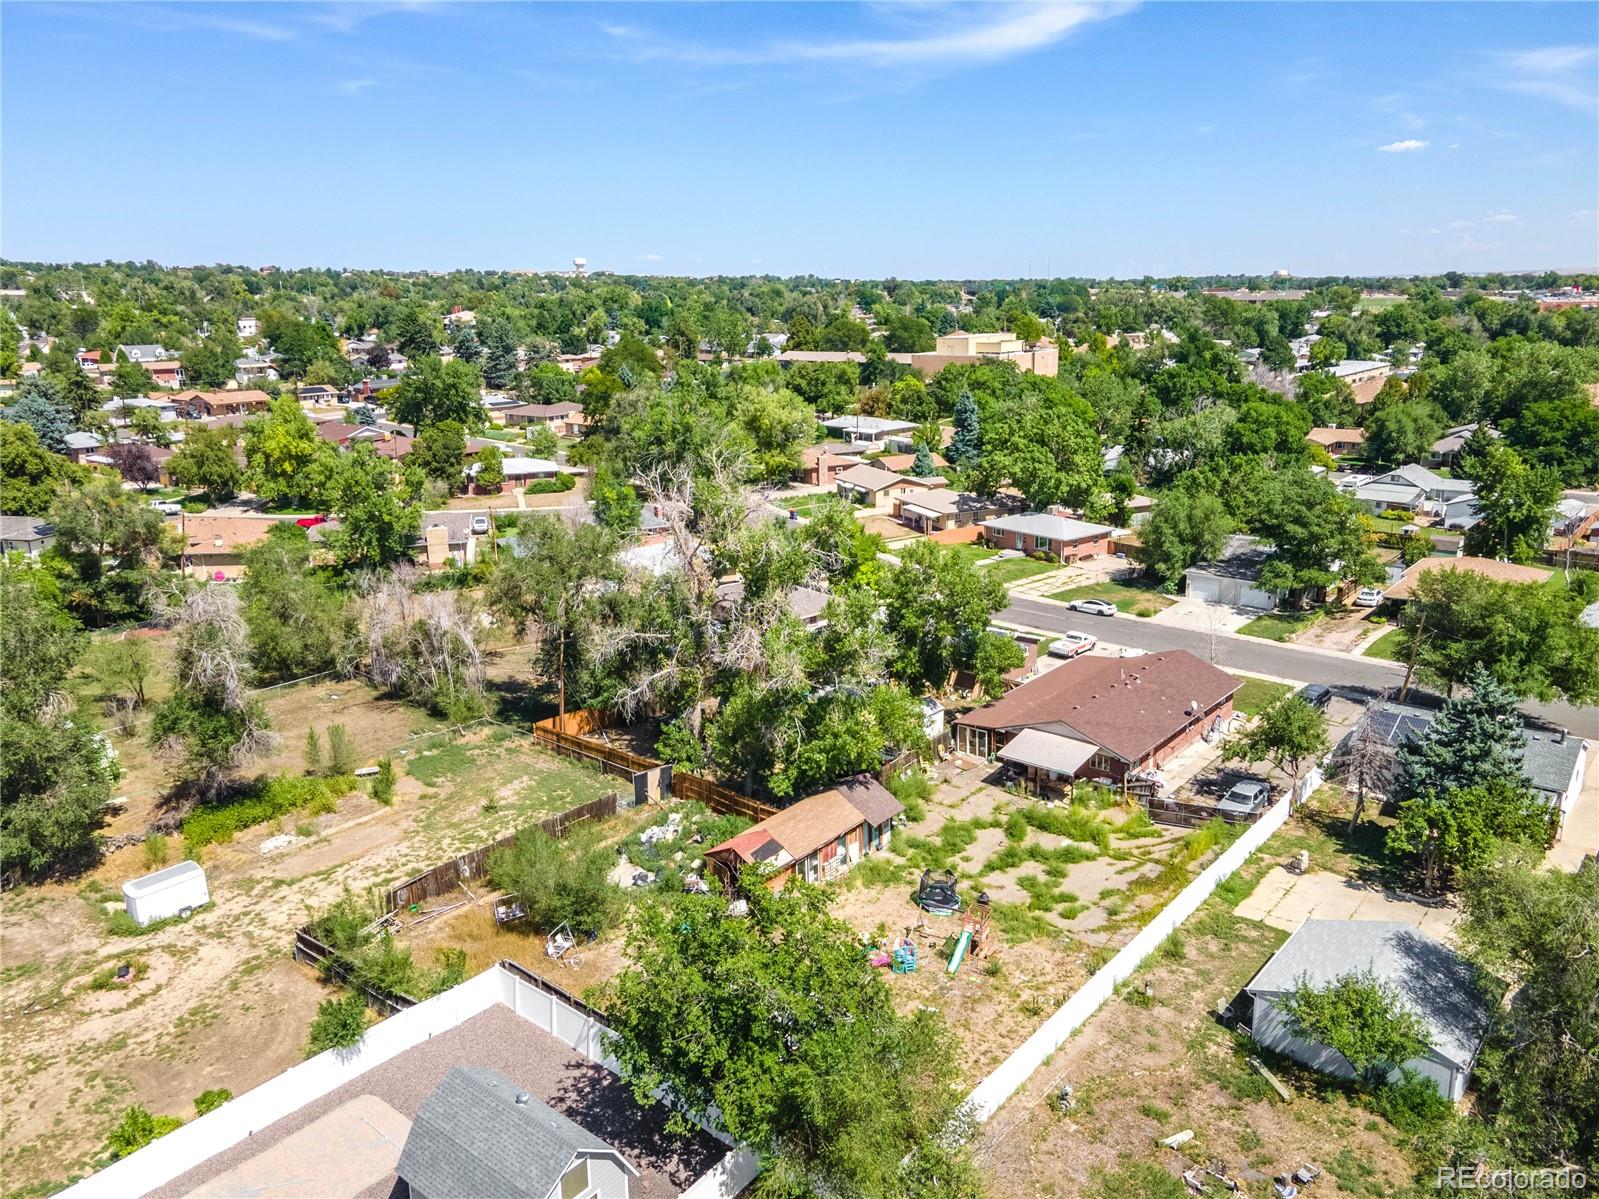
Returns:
(425, 646)
(1365, 759)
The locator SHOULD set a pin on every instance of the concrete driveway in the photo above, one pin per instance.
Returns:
(1286, 900)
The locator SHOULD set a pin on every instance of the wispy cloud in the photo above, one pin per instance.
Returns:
(1502, 217)
(652, 257)
(1562, 74)
(938, 36)
(1408, 146)
(354, 87)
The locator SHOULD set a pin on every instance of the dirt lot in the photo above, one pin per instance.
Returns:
(216, 1001)
(1145, 1068)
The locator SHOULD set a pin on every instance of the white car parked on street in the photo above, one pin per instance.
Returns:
(1069, 645)
(1094, 607)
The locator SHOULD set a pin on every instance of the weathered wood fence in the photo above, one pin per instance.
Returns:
(573, 737)
(308, 949)
(447, 876)
(1192, 815)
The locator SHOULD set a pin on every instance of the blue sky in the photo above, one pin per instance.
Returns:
(919, 140)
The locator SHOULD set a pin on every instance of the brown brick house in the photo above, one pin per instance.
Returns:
(1099, 717)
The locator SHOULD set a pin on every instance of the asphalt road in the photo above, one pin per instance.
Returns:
(1363, 677)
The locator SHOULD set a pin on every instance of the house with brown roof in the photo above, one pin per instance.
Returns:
(933, 511)
(1338, 442)
(1488, 568)
(565, 419)
(1096, 717)
(213, 546)
(818, 838)
(823, 461)
(222, 403)
(873, 487)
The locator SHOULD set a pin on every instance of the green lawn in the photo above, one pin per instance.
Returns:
(1014, 570)
(1136, 601)
(1257, 694)
(1280, 626)
(971, 551)
(1392, 524)
(805, 505)
(1388, 646)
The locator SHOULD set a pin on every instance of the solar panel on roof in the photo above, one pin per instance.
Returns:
(1396, 727)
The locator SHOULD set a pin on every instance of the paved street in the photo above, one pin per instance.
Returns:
(1262, 657)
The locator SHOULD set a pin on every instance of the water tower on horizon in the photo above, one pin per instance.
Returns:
(580, 266)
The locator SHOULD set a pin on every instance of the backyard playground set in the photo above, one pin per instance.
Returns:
(936, 897)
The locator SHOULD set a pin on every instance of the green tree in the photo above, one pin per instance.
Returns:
(1527, 635)
(378, 516)
(209, 362)
(434, 391)
(298, 624)
(996, 656)
(776, 1025)
(1561, 435)
(967, 447)
(206, 460)
(936, 606)
(1401, 431)
(30, 475)
(147, 424)
(110, 540)
(300, 343)
(415, 333)
(1187, 527)
(439, 453)
(79, 395)
(559, 883)
(130, 379)
(1459, 831)
(136, 1129)
(1287, 734)
(1362, 1017)
(910, 335)
(39, 405)
(922, 465)
(616, 504)
(1477, 738)
(542, 442)
(1515, 502)
(490, 472)
(339, 1023)
(499, 352)
(1318, 533)
(1537, 933)
(286, 461)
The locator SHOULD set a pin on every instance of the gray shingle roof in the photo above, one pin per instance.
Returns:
(1436, 983)
(23, 528)
(471, 1137)
(1550, 760)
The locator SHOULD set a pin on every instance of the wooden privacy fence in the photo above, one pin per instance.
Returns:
(571, 736)
(447, 876)
(313, 952)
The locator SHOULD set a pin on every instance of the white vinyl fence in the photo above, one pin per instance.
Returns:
(1008, 1077)
(201, 1139)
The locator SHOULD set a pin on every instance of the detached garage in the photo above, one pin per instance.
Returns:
(1233, 578)
(1432, 980)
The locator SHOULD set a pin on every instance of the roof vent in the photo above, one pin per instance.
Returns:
(522, 1097)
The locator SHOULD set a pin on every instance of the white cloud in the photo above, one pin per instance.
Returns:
(943, 35)
(1406, 146)
(1503, 217)
(1562, 74)
(354, 87)
(652, 258)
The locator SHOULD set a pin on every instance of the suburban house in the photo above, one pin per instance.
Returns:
(870, 431)
(1573, 520)
(253, 368)
(26, 535)
(500, 1086)
(520, 471)
(369, 391)
(817, 839)
(1098, 717)
(1410, 488)
(317, 393)
(143, 355)
(1338, 442)
(874, 487)
(565, 418)
(81, 444)
(213, 546)
(120, 409)
(939, 509)
(221, 403)
(903, 462)
(166, 374)
(823, 461)
(905, 443)
(1364, 376)
(479, 1133)
(247, 327)
(1434, 981)
(1489, 568)
(1059, 537)
(89, 360)
(1447, 448)
(343, 434)
(1233, 578)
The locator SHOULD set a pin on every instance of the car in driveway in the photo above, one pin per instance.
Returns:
(1246, 797)
(311, 522)
(480, 526)
(1317, 695)
(1094, 607)
(167, 507)
(1369, 597)
(1070, 644)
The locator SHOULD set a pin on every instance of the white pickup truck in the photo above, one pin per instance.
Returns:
(1070, 645)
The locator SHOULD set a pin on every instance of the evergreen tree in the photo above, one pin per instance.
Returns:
(1477, 740)
(499, 352)
(39, 406)
(923, 466)
(967, 447)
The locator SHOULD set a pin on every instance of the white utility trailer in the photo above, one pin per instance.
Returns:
(175, 891)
